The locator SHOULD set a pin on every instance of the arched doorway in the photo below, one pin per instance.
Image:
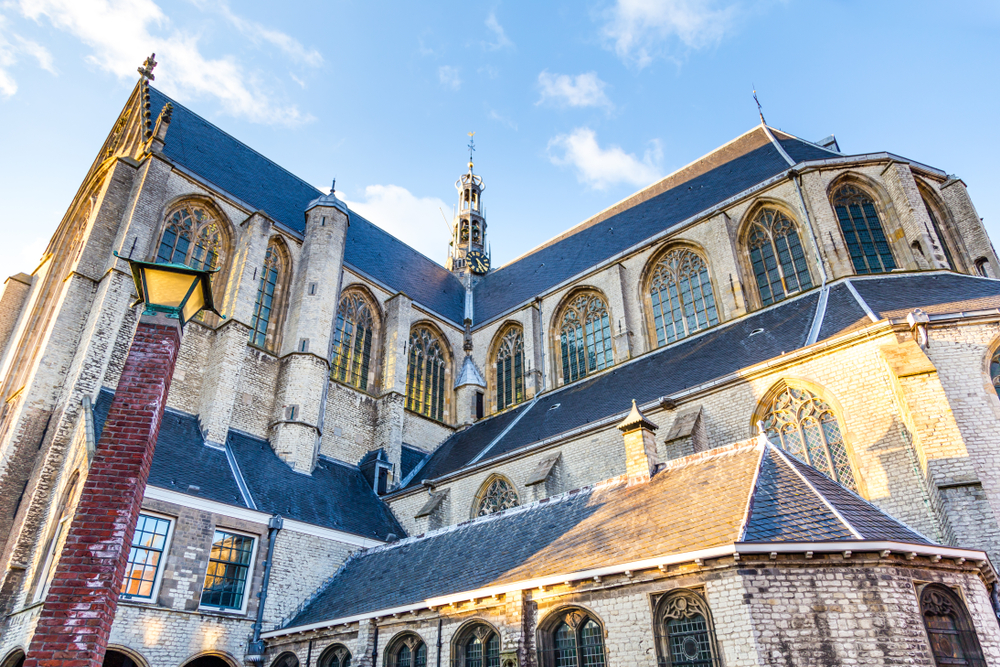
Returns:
(14, 659)
(118, 659)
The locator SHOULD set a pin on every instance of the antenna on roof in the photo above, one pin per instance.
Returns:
(759, 109)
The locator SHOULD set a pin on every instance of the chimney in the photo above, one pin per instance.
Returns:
(640, 446)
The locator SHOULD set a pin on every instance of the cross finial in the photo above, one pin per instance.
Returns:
(759, 109)
(472, 145)
(146, 71)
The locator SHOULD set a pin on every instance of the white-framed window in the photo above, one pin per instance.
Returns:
(146, 560)
(230, 571)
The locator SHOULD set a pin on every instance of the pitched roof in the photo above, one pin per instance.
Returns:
(694, 503)
(934, 293)
(335, 495)
(198, 145)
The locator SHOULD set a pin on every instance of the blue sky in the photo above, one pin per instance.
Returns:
(575, 105)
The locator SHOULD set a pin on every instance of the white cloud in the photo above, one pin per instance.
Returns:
(121, 33)
(503, 120)
(639, 29)
(256, 33)
(449, 77)
(502, 41)
(414, 220)
(582, 90)
(603, 167)
(12, 46)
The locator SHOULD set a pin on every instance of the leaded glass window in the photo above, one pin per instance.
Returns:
(510, 368)
(680, 294)
(228, 570)
(352, 340)
(565, 645)
(498, 495)
(336, 656)
(191, 236)
(585, 337)
(411, 653)
(577, 640)
(804, 425)
(265, 304)
(863, 233)
(144, 559)
(685, 630)
(949, 628)
(995, 370)
(425, 383)
(779, 264)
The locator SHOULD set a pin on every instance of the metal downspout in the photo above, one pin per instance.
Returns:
(440, 621)
(255, 649)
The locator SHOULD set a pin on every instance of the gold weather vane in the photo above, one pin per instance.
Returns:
(759, 109)
(472, 146)
(146, 71)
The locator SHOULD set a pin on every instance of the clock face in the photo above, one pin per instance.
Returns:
(478, 262)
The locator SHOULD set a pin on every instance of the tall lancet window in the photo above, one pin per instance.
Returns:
(266, 298)
(352, 341)
(510, 368)
(192, 236)
(680, 296)
(862, 229)
(779, 265)
(803, 424)
(585, 337)
(425, 383)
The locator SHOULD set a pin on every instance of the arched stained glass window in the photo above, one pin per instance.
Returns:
(862, 229)
(995, 371)
(576, 640)
(684, 630)
(425, 383)
(265, 304)
(585, 337)
(478, 646)
(192, 236)
(510, 368)
(680, 294)
(949, 628)
(804, 425)
(335, 656)
(352, 340)
(779, 265)
(496, 495)
(411, 652)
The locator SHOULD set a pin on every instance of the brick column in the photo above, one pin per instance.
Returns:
(80, 607)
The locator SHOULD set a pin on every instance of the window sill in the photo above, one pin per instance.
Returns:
(225, 613)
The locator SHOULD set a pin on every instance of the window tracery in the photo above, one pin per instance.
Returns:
(804, 425)
(476, 646)
(408, 651)
(191, 236)
(574, 639)
(680, 296)
(352, 340)
(585, 337)
(949, 628)
(425, 386)
(496, 495)
(266, 302)
(685, 633)
(862, 230)
(776, 256)
(510, 368)
(336, 656)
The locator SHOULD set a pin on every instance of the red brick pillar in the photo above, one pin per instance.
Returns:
(79, 609)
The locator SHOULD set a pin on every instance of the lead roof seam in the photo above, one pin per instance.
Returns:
(503, 433)
(836, 513)
(861, 302)
(241, 483)
(777, 145)
(817, 322)
(753, 490)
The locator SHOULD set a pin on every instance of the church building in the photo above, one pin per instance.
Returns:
(747, 416)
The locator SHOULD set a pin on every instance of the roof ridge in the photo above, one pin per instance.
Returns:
(826, 501)
(748, 513)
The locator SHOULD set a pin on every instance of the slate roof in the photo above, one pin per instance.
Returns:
(694, 361)
(695, 503)
(335, 496)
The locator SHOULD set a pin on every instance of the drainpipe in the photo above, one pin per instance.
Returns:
(255, 649)
(375, 647)
(440, 621)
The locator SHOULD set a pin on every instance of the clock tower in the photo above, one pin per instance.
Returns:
(468, 235)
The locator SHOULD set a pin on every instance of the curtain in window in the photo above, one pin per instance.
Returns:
(804, 425)
(779, 264)
(862, 229)
(681, 298)
(585, 337)
(264, 305)
(191, 236)
(426, 374)
(510, 368)
(352, 340)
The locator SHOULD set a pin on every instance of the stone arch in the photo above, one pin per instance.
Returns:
(495, 494)
(943, 223)
(828, 414)
(489, 642)
(747, 268)
(410, 640)
(14, 658)
(335, 655)
(136, 658)
(697, 643)
(417, 383)
(947, 622)
(577, 619)
(211, 658)
(991, 371)
(370, 379)
(518, 391)
(601, 352)
(886, 210)
(282, 289)
(286, 659)
(667, 252)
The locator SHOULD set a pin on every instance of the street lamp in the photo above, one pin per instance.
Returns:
(76, 617)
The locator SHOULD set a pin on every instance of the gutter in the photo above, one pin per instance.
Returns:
(736, 550)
